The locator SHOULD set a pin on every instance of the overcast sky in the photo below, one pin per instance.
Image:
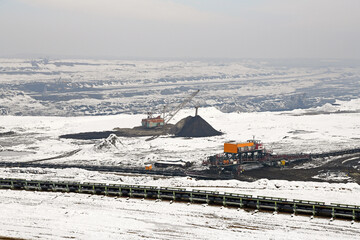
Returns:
(181, 28)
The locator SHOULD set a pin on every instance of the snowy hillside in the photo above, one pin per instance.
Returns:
(101, 87)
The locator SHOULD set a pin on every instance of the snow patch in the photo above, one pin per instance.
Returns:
(110, 143)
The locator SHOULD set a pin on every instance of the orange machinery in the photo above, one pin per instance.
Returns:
(250, 145)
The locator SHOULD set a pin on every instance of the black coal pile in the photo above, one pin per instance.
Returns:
(195, 127)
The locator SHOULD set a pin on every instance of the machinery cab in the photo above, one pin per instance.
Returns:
(257, 143)
(152, 122)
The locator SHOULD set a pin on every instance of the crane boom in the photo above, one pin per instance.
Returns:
(173, 113)
(181, 105)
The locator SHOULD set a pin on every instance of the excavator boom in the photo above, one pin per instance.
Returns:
(175, 111)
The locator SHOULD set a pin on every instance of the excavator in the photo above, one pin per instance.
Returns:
(158, 121)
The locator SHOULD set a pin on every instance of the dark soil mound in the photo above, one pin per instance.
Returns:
(187, 127)
(4, 134)
(123, 132)
(195, 127)
(88, 135)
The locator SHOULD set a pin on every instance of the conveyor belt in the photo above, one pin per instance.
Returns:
(335, 153)
(293, 206)
(118, 169)
(167, 172)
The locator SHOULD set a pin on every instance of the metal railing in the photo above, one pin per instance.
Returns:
(294, 206)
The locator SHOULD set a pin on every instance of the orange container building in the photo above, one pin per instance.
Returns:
(231, 147)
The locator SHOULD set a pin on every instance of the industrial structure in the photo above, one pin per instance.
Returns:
(239, 155)
(244, 151)
(292, 206)
(153, 122)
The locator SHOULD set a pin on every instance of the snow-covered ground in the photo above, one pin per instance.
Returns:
(325, 129)
(346, 193)
(60, 215)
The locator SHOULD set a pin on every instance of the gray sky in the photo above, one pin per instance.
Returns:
(181, 28)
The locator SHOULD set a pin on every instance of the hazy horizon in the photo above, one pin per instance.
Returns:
(180, 29)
